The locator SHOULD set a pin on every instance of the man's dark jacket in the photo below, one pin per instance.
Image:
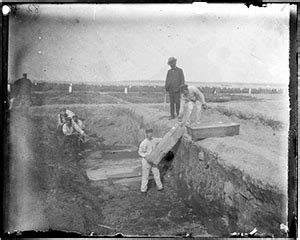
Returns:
(174, 80)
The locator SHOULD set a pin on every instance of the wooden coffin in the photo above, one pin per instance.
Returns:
(112, 169)
(215, 130)
(166, 144)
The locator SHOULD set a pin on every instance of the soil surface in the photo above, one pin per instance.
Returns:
(49, 189)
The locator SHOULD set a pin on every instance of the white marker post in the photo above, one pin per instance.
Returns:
(8, 87)
(70, 88)
(125, 90)
(250, 90)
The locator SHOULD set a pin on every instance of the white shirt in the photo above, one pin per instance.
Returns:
(71, 130)
(80, 124)
(147, 146)
(194, 95)
(67, 130)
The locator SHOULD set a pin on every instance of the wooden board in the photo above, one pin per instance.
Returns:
(216, 130)
(166, 144)
(114, 169)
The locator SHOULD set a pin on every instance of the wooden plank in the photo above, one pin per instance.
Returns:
(166, 144)
(216, 130)
(136, 172)
(114, 169)
(135, 181)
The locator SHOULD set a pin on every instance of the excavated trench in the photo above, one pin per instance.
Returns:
(211, 197)
(219, 194)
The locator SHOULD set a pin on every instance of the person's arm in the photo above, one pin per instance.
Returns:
(182, 102)
(64, 129)
(59, 119)
(182, 77)
(77, 128)
(199, 96)
(82, 125)
(142, 149)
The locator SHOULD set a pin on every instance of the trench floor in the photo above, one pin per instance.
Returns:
(125, 210)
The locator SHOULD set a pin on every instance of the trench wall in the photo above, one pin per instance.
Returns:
(213, 189)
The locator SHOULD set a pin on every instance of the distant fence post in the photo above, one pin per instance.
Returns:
(70, 88)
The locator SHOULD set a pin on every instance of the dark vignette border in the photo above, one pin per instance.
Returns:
(293, 129)
(294, 35)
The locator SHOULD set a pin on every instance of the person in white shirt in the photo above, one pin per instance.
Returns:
(191, 98)
(146, 147)
(63, 114)
(78, 122)
(61, 119)
(73, 134)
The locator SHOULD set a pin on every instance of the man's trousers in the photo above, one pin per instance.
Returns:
(174, 102)
(146, 168)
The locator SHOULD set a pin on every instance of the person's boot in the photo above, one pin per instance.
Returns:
(171, 117)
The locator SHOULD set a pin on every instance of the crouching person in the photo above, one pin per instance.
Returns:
(192, 98)
(78, 122)
(79, 127)
(72, 133)
(61, 119)
(146, 147)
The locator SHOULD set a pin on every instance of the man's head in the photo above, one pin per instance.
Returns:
(172, 62)
(24, 75)
(149, 133)
(75, 118)
(63, 110)
(184, 89)
(69, 121)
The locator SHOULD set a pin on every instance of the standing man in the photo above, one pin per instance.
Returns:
(174, 80)
(146, 147)
(191, 98)
(22, 91)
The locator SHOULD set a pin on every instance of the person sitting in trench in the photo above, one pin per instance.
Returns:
(61, 119)
(78, 122)
(146, 147)
(192, 98)
(72, 134)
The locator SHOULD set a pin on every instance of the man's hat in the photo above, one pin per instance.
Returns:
(148, 130)
(171, 60)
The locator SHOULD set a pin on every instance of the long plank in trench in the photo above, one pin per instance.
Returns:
(125, 168)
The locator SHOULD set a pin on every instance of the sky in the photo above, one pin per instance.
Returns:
(109, 43)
